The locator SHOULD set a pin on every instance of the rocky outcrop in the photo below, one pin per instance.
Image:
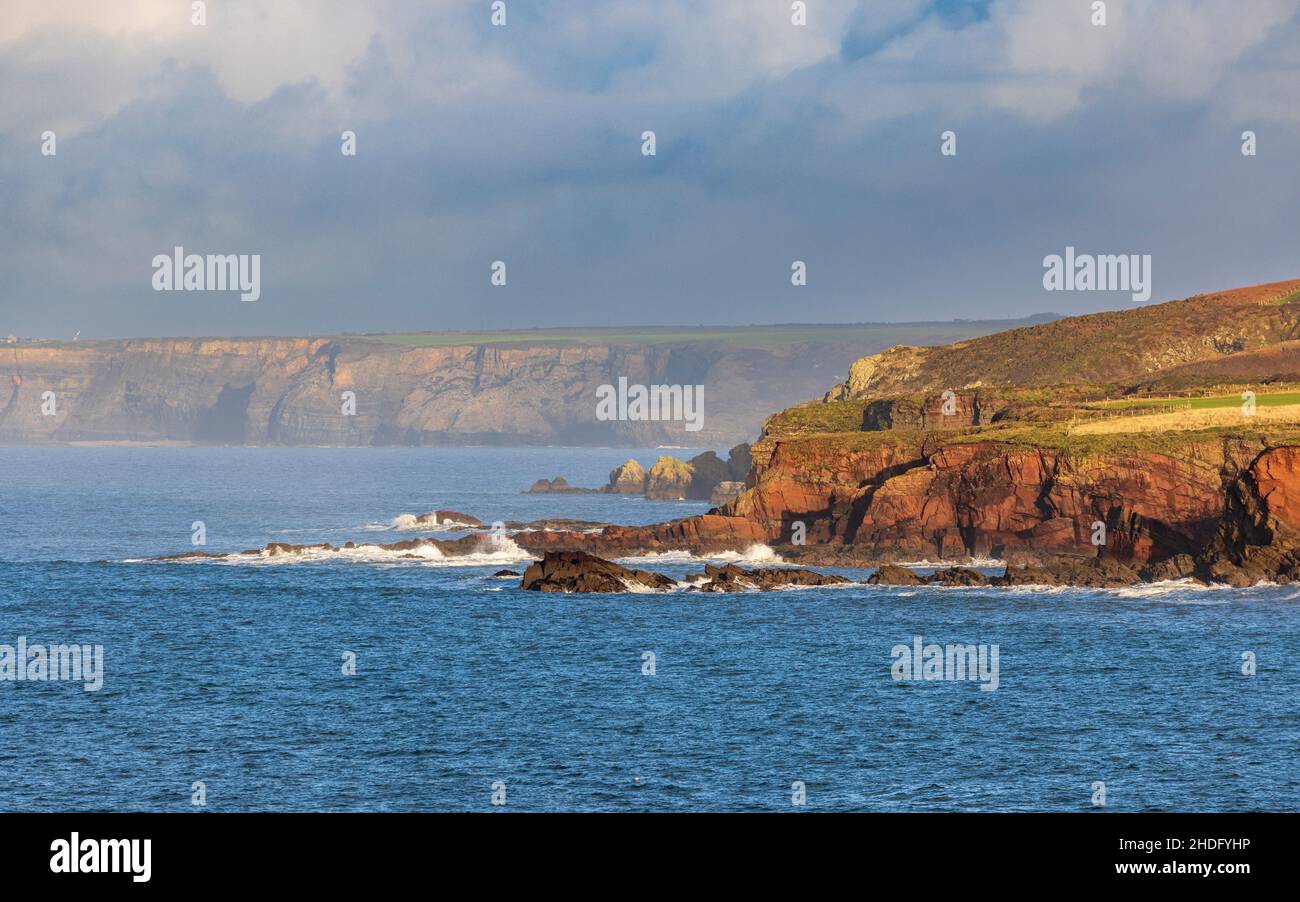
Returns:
(894, 575)
(559, 486)
(577, 571)
(1180, 566)
(1258, 537)
(449, 519)
(704, 534)
(669, 480)
(960, 576)
(628, 478)
(1098, 573)
(1087, 572)
(731, 578)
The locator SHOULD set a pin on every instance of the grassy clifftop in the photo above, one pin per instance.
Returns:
(1103, 349)
(1168, 378)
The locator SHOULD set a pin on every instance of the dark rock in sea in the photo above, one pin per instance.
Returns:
(577, 571)
(731, 578)
(1180, 566)
(894, 575)
(554, 523)
(277, 549)
(505, 573)
(187, 556)
(1094, 573)
(959, 576)
(559, 486)
(449, 518)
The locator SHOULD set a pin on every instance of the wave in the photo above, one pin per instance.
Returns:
(427, 554)
(754, 554)
(1167, 592)
(422, 523)
(979, 563)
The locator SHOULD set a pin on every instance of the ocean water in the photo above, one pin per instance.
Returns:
(232, 674)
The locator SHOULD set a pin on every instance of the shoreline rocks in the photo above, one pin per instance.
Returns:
(580, 572)
(559, 486)
(894, 575)
(449, 518)
(731, 578)
(705, 477)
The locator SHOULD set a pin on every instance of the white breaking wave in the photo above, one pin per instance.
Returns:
(641, 588)
(496, 554)
(754, 554)
(414, 523)
(986, 563)
(1167, 592)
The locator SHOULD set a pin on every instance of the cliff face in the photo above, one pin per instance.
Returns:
(903, 500)
(291, 390)
(1259, 535)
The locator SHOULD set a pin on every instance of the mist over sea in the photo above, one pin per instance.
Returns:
(231, 674)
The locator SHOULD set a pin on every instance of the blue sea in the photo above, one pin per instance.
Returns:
(467, 690)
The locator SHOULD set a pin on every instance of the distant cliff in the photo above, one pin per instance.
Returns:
(516, 388)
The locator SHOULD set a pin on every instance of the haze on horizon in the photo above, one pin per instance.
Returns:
(522, 143)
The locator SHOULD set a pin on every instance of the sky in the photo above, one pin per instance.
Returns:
(522, 143)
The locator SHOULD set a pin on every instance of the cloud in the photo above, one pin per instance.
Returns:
(522, 143)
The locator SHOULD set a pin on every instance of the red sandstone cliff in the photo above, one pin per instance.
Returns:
(989, 499)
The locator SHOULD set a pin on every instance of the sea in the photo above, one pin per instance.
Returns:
(368, 681)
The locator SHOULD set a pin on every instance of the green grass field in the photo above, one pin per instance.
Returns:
(1278, 399)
